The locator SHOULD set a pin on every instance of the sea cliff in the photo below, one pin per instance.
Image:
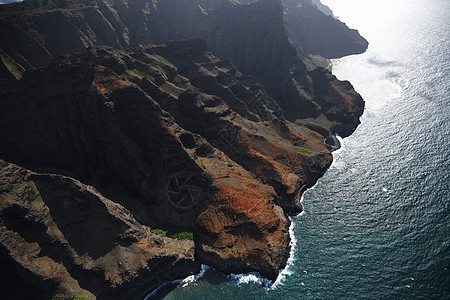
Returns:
(142, 134)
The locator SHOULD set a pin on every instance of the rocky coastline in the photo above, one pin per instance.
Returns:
(141, 139)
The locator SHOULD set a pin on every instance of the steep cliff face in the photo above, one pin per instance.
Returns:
(323, 8)
(314, 32)
(61, 239)
(312, 29)
(254, 37)
(175, 140)
(176, 136)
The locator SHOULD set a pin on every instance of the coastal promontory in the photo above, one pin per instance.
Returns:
(141, 139)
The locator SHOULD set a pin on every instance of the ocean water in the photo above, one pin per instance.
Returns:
(377, 225)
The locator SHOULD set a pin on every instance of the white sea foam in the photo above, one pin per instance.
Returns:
(288, 270)
(162, 286)
(253, 277)
(192, 278)
(398, 91)
(338, 164)
(302, 213)
(185, 282)
(256, 278)
(290, 262)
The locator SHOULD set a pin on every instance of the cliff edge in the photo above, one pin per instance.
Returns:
(120, 157)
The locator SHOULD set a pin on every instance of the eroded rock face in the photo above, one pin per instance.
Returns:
(314, 32)
(258, 38)
(63, 239)
(174, 135)
(323, 8)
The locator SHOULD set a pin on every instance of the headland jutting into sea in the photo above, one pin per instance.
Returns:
(141, 139)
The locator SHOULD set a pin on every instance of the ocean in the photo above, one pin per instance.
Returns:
(377, 224)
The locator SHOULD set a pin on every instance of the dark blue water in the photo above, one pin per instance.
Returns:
(377, 225)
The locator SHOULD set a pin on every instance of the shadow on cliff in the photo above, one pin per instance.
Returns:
(85, 222)
(17, 288)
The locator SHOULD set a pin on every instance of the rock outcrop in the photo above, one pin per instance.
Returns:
(323, 8)
(314, 32)
(122, 24)
(255, 37)
(42, 33)
(61, 239)
(159, 154)
(175, 136)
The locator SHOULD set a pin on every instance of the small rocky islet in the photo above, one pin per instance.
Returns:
(141, 139)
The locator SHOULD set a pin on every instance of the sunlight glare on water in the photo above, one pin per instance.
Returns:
(377, 225)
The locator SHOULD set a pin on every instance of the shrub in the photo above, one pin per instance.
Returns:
(303, 150)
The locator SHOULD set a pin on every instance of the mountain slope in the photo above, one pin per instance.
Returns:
(177, 137)
(201, 145)
(253, 37)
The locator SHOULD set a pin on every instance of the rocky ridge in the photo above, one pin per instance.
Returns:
(135, 123)
(314, 32)
(255, 37)
(61, 239)
(174, 136)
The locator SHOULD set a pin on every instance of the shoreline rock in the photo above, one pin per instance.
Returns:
(178, 140)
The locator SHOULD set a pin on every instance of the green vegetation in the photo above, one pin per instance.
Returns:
(174, 232)
(37, 201)
(303, 150)
(33, 186)
(30, 247)
(80, 298)
(28, 175)
(183, 235)
(171, 89)
(314, 61)
(160, 232)
(137, 73)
